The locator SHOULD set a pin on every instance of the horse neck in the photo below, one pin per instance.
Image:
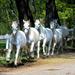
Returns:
(16, 35)
(27, 35)
(42, 28)
(56, 25)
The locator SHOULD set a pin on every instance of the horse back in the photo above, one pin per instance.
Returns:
(34, 34)
(58, 34)
(49, 33)
(19, 38)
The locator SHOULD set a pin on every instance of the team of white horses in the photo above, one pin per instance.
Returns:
(33, 36)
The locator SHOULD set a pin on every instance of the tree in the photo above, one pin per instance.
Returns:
(65, 10)
(51, 12)
(68, 1)
(24, 10)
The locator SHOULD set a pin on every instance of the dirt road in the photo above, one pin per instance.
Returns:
(62, 65)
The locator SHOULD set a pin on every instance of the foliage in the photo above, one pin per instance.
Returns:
(66, 12)
(6, 16)
(39, 7)
(8, 12)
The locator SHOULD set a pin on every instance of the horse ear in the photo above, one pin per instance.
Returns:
(28, 22)
(38, 22)
(18, 22)
(24, 21)
(12, 24)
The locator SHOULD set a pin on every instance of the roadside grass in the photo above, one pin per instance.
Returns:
(2, 52)
(2, 44)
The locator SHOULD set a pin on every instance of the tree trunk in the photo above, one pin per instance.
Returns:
(51, 12)
(23, 11)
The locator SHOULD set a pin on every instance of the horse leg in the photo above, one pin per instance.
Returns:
(31, 49)
(44, 44)
(61, 46)
(16, 56)
(8, 52)
(7, 43)
(38, 51)
(53, 49)
(49, 47)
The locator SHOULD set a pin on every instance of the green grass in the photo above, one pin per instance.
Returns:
(2, 61)
(2, 53)
(2, 44)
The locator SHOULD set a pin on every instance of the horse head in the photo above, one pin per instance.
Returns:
(26, 26)
(14, 27)
(51, 24)
(54, 24)
(37, 23)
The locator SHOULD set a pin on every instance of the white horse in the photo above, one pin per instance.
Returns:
(57, 39)
(33, 38)
(18, 39)
(46, 35)
(65, 30)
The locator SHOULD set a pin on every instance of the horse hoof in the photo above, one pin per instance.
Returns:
(48, 54)
(15, 65)
(31, 57)
(7, 60)
(44, 54)
(37, 57)
(52, 54)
